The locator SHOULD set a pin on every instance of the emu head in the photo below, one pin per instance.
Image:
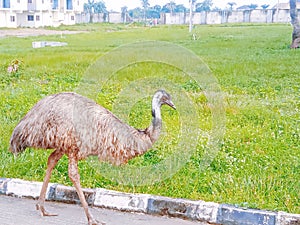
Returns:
(161, 97)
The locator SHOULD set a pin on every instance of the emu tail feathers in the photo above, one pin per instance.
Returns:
(17, 145)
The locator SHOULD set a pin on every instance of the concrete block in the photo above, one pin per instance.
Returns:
(230, 215)
(3, 185)
(66, 194)
(206, 211)
(284, 218)
(23, 188)
(193, 210)
(121, 201)
(166, 206)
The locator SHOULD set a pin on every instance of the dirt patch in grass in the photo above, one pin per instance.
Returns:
(25, 32)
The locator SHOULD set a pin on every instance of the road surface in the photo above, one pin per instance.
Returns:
(20, 211)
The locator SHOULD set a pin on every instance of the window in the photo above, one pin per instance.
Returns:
(6, 3)
(30, 18)
(69, 4)
(72, 17)
(18, 1)
(37, 18)
(55, 4)
(29, 1)
(12, 19)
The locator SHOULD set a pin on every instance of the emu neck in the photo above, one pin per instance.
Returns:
(155, 127)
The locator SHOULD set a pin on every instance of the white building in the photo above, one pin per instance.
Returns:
(38, 13)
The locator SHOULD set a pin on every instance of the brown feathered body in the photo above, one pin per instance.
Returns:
(78, 127)
(71, 122)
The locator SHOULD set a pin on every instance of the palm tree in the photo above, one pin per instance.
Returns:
(265, 6)
(145, 5)
(124, 13)
(295, 24)
(231, 4)
(180, 8)
(136, 13)
(192, 3)
(88, 8)
(171, 6)
(99, 7)
(157, 8)
(253, 6)
(204, 6)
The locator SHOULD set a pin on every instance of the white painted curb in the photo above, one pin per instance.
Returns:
(121, 201)
(183, 208)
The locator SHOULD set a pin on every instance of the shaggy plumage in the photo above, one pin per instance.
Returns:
(78, 127)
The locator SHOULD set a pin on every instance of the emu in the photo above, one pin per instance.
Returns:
(78, 127)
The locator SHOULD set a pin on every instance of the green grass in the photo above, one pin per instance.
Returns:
(258, 164)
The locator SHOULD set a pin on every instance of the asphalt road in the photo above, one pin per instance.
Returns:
(20, 211)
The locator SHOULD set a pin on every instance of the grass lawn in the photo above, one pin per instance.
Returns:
(258, 164)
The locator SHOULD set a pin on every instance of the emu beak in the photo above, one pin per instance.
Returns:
(171, 104)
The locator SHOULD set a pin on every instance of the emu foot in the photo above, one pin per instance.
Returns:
(43, 211)
(96, 222)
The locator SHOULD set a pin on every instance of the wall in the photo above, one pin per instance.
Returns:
(46, 5)
(14, 5)
(112, 17)
(49, 17)
(247, 16)
(176, 18)
(235, 17)
(5, 19)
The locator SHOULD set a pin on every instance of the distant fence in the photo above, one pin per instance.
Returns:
(219, 17)
(111, 17)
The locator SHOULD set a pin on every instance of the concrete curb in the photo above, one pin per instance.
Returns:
(183, 208)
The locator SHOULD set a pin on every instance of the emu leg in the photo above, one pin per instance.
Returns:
(75, 178)
(52, 161)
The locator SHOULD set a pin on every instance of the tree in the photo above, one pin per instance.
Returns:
(88, 8)
(253, 6)
(192, 4)
(264, 6)
(231, 4)
(169, 7)
(153, 13)
(136, 13)
(295, 24)
(124, 11)
(157, 8)
(99, 7)
(145, 5)
(204, 6)
(94, 7)
(180, 8)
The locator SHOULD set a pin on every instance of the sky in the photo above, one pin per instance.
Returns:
(117, 4)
